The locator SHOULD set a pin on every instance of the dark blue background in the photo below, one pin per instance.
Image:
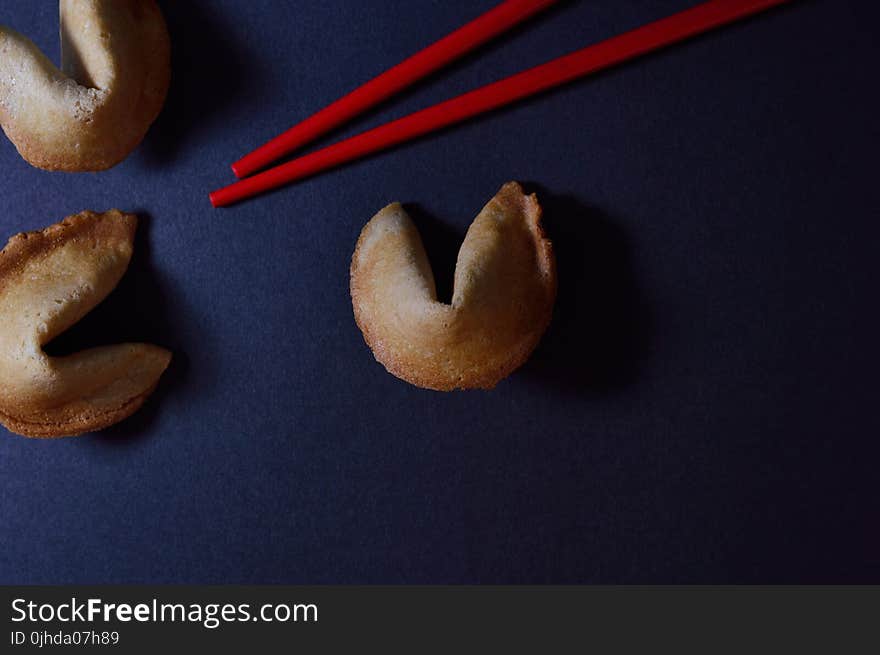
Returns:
(703, 408)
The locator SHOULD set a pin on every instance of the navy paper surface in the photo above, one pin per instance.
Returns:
(703, 408)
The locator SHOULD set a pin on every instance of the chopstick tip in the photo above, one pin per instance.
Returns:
(237, 170)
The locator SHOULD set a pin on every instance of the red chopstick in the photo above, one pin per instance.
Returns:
(483, 28)
(652, 36)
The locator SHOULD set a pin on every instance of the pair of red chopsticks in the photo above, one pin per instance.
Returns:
(642, 40)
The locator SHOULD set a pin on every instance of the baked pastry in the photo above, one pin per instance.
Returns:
(48, 281)
(504, 290)
(88, 116)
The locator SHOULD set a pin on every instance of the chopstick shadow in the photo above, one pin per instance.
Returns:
(600, 333)
(210, 70)
(599, 336)
(143, 308)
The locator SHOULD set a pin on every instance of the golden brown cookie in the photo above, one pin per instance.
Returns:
(505, 287)
(88, 116)
(49, 280)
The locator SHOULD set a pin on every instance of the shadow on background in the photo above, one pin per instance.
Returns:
(441, 242)
(599, 335)
(208, 76)
(141, 309)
